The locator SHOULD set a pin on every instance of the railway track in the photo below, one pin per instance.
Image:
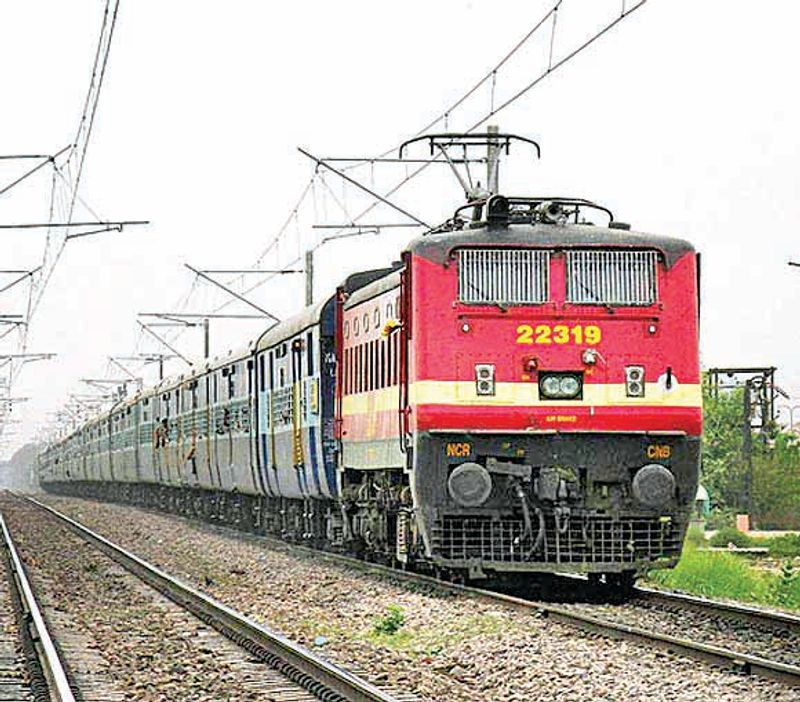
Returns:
(780, 664)
(35, 672)
(609, 622)
(299, 674)
(784, 621)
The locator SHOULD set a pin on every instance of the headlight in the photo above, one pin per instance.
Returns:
(551, 386)
(569, 386)
(560, 386)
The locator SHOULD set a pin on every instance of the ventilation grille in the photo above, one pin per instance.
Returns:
(512, 277)
(611, 277)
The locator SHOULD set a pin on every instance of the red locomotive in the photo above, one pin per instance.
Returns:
(534, 387)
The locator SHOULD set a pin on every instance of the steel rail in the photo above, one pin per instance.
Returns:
(726, 609)
(732, 660)
(49, 659)
(729, 610)
(327, 680)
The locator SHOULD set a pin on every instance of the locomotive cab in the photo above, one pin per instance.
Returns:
(553, 394)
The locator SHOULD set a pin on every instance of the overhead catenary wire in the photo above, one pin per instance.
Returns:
(496, 105)
(83, 135)
(446, 114)
(494, 111)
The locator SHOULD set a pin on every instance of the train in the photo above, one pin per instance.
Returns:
(519, 394)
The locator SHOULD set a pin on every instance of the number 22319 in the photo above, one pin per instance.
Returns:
(558, 334)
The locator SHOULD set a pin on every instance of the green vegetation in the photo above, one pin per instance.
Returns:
(776, 467)
(729, 576)
(391, 622)
(730, 535)
(787, 546)
(426, 641)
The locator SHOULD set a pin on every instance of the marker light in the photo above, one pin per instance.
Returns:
(589, 357)
(634, 381)
(484, 378)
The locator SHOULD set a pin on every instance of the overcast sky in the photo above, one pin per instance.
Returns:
(683, 120)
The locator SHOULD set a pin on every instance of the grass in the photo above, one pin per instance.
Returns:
(730, 576)
(787, 546)
(428, 641)
(391, 622)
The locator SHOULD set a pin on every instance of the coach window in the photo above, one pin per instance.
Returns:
(393, 359)
(365, 321)
(383, 362)
(310, 353)
(370, 366)
(365, 370)
(376, 367)
(365, 367)
(231, 382)
(374, 346)
(355, 326)
(362, 364)
(353, 369)
(271, 370)
(376, 318)
(347, 329)
(367, 364)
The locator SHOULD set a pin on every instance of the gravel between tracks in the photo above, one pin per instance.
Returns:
(127, 642)
(450, 648)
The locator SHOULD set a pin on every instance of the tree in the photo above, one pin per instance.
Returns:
(723, 468)
(776, 464)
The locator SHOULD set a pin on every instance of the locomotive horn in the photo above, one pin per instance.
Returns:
(550, 212)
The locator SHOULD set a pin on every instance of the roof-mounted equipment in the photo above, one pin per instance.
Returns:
(495, 143)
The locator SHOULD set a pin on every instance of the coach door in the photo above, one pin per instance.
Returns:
(298, 416)
(218, 425)
(261, 422)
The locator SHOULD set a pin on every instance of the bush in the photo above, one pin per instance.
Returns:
(728, 576)
(391, 622)
(721, 518)
(787, 546)
(729, 535)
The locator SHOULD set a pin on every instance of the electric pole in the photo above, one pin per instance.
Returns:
(309, 277)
